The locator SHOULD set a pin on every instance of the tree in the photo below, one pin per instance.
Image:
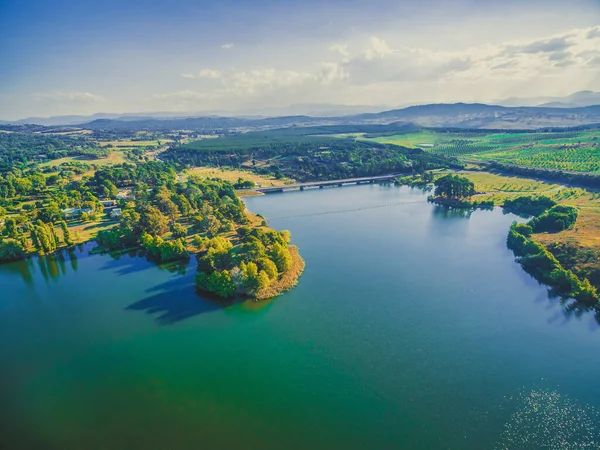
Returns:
(51, 213)
(210, 225)
(454, 186)
(281, 257)
(557, 218)
(66, 234)
(130, 221)
(178, 230)
(269, 267)
(252, 250)
(109, 189)
(109, 239)
(254, 280)
(286, 235)
(10, 228)
(152, 221)
(185, 207)
(11, 250)
(46, 237)
(218, 282)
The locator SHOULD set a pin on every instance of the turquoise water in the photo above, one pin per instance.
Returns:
(412, 327)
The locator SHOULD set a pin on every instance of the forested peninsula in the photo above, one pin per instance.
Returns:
(150, 208)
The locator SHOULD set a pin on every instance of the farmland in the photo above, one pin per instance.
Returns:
(577, 151)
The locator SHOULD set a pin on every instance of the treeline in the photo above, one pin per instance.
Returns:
(23, 148)
(537, 260)
(571, 178)
(557, 218)
(528, 205)
(309, 158)
(544, 266)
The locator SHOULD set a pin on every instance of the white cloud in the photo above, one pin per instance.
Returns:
(594, 33)
(75, 97)
(374, 70)
(378, 48)
(248, 82)
(342, 49)
(331, 73)
(204, 73)
(183, 96)
(380, 62)
(227, 46)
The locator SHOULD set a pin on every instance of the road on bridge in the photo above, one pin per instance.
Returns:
(324, 183)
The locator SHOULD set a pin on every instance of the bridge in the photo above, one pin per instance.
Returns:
(323, 184)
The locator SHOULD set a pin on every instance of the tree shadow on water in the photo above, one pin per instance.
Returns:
(177, 300)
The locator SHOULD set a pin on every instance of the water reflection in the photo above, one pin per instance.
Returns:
(23, 268)
(177, 300)
(449, 222)
(130, 261)
(570, 308)
(452, 213)
(50, 267)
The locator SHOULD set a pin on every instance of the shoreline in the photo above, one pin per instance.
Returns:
(289, 279)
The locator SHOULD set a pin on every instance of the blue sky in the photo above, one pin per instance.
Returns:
(81, 57)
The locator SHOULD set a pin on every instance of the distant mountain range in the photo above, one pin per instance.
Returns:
(314, 110)
(457, 115)
(552, 112)
(578, 99)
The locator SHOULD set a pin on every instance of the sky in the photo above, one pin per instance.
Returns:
(66, 57)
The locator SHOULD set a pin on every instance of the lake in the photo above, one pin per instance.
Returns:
(411, 327)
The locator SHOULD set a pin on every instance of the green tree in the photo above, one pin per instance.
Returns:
(286, 235)
(130, 221)
(152, 221)
(10, 228)
(254, 280)
(51, 213)
(454, 186)
(66, 234)
(281, 257)
(210, 225)
(218, 282)
(185, 207)
(11, 250)
(178, 230)
(269, 267)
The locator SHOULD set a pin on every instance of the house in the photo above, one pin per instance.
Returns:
(115, 213)
(124, 195)
(71, 213)
(108, 203)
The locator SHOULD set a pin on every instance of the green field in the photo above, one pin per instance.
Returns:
(577, 151)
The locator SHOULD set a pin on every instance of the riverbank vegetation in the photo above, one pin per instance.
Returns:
(157, 212)
(544, 267)
(576, 245)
